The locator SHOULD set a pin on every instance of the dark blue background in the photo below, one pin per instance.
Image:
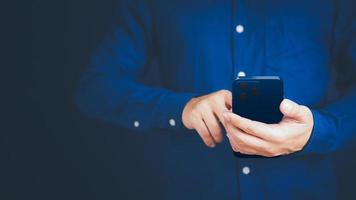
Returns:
(49, 149)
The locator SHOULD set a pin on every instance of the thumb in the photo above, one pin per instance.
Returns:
(292, 110)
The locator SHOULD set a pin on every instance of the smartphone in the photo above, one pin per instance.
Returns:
(258, 98)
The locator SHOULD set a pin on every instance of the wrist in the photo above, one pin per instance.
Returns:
(185, 113)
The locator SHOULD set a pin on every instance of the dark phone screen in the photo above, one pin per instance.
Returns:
(258, 98)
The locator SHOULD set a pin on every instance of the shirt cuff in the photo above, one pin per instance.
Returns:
(169, 110)
(323, 136)
(162, 113)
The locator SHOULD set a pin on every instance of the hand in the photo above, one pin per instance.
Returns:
(205, 115)
(257, 138)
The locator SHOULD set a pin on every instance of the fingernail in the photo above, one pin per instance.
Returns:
(212, 145)
(287, 105)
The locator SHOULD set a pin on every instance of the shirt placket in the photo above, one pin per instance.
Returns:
(240, 30)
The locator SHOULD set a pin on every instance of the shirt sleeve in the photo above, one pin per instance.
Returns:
(111, 89)
(335, 123)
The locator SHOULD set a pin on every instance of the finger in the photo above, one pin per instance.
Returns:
(236, 147)
(204, 133)
(219, 107)
(227, 99)
(233, 143)
(213, 125)
(250, 143)
(258, 129)
(293, 110)
(218, 111)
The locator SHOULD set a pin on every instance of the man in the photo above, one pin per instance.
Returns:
(199, 48)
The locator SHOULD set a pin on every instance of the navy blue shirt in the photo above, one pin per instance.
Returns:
(198, 47)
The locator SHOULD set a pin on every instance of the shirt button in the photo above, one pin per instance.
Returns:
(136, 124)
(246, 170)
(241, 74)
(240, 29)
(172, 122)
